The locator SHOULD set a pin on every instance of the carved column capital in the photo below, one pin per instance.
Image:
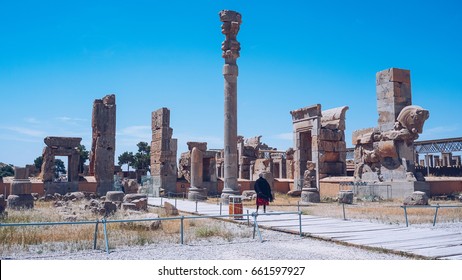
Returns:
(230, 27)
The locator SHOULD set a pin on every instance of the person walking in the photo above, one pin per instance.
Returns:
(263, 190)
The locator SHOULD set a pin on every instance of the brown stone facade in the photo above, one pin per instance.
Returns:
(319, 147)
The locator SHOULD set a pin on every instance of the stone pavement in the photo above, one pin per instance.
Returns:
(432, 243)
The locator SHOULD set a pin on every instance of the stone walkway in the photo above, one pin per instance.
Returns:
(430, 243)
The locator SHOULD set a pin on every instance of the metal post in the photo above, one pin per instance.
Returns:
(96, 235)
(248, 218)
(428, 165)
(255, 227)
(181, 230)
(343, 206)
(436, 214)
(196, 206)
(161, 198)
(221, 206)
(175, 202)
(300, 222)
(105, 235)
(405, 215)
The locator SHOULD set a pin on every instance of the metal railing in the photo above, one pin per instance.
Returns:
(104, 222)
(437, 206)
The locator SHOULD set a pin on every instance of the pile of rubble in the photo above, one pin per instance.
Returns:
(105, 205)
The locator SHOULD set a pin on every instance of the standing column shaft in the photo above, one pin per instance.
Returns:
(231, 47)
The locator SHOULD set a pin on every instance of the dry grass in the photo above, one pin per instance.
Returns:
(388, 212)
(72, 238)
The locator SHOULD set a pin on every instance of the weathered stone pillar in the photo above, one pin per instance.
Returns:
(393, 88)
(196, 192)
(103, 143)
(163, 152)
(20, 190)
(231, 47)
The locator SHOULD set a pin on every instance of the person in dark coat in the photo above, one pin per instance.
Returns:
(263, 190)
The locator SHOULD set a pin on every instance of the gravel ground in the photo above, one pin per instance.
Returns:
(275, 246)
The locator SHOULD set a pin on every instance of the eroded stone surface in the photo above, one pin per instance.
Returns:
(386, 153)
(103, 143)
(163, 151)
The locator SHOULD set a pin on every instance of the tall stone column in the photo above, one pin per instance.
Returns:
(103, 143)
(196, 191)
(231, 47)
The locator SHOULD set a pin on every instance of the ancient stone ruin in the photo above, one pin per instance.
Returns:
(61, 146)
(20, 190)
(163, 152)
(384, 156)
(103, 143)
(319, 147)
(198, 166)
(231, 47)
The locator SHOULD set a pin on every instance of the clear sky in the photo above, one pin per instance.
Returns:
(57, 57)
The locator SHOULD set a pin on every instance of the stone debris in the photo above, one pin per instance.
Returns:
(416, 198)
(170, 210)
(115, 196)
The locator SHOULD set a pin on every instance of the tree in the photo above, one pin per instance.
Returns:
(59, 168)
(84, 156)
(142, 159)
(6, 170)
(127, 158)
(38, 163)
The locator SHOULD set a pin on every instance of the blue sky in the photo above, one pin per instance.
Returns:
(57, 57)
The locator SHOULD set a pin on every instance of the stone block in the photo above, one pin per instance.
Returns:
(20, 201)
(331, 135)
(310, 196)
(416, 198)
(2, 203)
(21, 186)
(393, 75)
(160, 118)
(129, 206)
(306, 113)
(170, 210)
(201, 146)
(332, 168)
(109, 207)
(330, 146)
(329, 157)
(64, 142)
(134, 196)
(115, 196)
(362, 136)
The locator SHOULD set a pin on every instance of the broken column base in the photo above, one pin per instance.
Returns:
(197, 193)
(20, 201)
(390, 190)
(310, 195)
(60, 187)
